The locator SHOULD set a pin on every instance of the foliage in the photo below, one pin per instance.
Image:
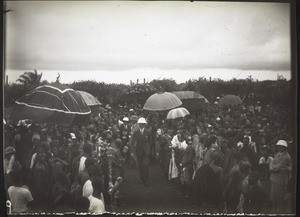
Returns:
(30, 80)
(105, 93)
(267, 91)
(26, 82)
(164, 85)
(139, 90)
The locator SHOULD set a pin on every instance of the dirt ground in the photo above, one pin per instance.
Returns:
(160, 197)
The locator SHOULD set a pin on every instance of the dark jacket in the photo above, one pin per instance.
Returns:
(255, 199)
(188, 156)
(141, 141)
(249, 155)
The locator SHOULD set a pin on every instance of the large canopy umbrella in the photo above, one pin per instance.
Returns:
(230, 100)
(55, 103)
(91, 101)
(192, 100)
(177, 113)
(162, 101)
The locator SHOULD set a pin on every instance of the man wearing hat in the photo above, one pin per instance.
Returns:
(10, 161)
(131, 113)
(140, 141)
(134, 125)
(124, 127)
(280, 168)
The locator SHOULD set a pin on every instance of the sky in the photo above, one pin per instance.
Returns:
(119, 41)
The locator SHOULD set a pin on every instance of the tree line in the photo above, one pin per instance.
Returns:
(267, 91)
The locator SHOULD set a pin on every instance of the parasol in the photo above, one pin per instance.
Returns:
(177, 113)
(162, 101)
(230, 100)
(192, 100)
(91, 101)
(55, 103)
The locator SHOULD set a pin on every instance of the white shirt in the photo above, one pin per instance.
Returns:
(183, 145)
(177, 144)
(87, 190)
(81, 164)
(96, 205)
(32, 160)
(142, 130)
(19, 197)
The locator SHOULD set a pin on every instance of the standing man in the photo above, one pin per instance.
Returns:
(141, 140)
(134, 127)
(280, 168)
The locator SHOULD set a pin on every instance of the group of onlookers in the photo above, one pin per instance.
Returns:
(228, 163)
(233, 159)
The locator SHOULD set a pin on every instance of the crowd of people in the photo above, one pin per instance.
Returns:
(231, 159)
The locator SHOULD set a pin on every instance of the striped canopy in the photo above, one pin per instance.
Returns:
(55, 103)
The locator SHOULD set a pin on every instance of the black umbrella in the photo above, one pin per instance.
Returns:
(230, 100)
(192, 100)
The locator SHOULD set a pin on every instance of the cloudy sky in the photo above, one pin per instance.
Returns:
(119, 41)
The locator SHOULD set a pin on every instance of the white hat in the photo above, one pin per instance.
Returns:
(218, 97)
(131, 110)
(142, 121)
(125, 119)
(282, 143)
(216, 103)
(73, 136)
(218, 119)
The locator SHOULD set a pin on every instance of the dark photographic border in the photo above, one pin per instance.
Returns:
(294, 80)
